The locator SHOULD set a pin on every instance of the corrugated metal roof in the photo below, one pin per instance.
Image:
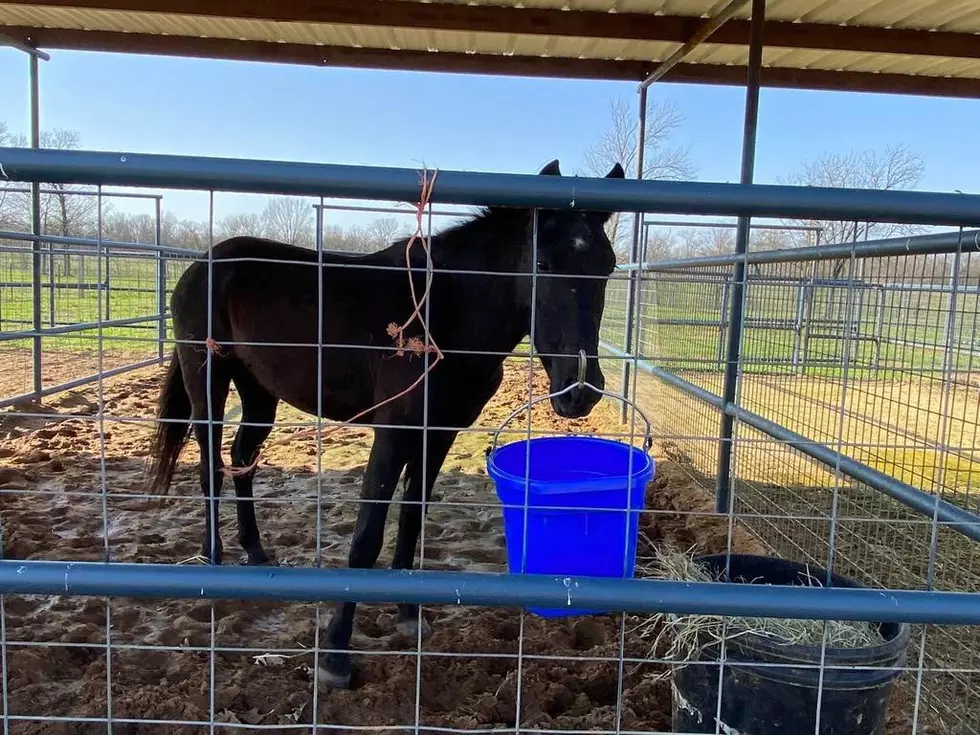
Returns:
(952, 16)
(944, 15)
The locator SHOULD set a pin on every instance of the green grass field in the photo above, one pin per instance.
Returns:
(880, 334)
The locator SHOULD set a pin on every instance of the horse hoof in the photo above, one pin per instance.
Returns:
(257, 560)
(213, 560)
(334, 673)
(410, 628)
(332, 679)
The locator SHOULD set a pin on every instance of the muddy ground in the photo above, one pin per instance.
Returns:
(54, 465)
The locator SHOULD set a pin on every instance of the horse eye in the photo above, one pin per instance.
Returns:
(543, 267)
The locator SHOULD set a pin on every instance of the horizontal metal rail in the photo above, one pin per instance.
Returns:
(937, 244)
(70, 286)
(648, 223)
(485, 589)
(488, 189)
(64, 250)
(79, 327)
(89, 242)
(81, 193)
(26, 397)
(385, 210)
(950, 515)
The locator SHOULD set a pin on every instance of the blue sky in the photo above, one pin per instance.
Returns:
(187, 106)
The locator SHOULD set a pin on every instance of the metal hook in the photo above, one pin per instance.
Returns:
(581, 368)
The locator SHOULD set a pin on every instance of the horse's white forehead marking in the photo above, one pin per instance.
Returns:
(580, 243)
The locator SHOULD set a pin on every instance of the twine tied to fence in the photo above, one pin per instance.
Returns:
(410, 346)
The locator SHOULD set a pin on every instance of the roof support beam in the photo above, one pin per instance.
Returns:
(549, 22)
(712, 25)
(27, 48)
(527, 66)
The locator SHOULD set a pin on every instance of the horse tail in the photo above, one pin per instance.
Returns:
(174, 407)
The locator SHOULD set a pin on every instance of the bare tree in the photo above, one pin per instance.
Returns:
(619, 144)
(129, 227)
(65, 212)
(894, 167)
(14, 207)
(241, 224)
(291, 220)
(382, 231)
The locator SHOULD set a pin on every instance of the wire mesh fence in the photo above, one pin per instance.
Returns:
(58, 287)
(873, 357)
(832, 351)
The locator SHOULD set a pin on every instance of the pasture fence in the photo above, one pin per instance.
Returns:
(856, 419)
(853, 447)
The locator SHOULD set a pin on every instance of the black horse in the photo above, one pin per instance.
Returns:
(476, 319)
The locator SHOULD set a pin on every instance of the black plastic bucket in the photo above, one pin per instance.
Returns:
(766, 700)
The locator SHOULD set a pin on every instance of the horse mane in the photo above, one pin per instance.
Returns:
(473, 239)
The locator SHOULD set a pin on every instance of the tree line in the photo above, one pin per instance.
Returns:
(70, 211)
(65, 211)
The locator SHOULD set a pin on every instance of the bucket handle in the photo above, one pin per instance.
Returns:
(580, 383)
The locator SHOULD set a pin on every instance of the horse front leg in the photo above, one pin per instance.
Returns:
(388, 457)
(418, 484)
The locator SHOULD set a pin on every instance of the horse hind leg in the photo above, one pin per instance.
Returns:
(418, 486)
(258, 416)
(207, 413)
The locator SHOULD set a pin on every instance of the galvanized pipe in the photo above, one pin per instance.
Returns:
(161, 281)
(734, 345)
(700, 36)
(487, 189)
(77, 327)
(35, 223)
(632, 287)
(88, 242)
(35, 53)
(78, 382)
(485, 589)
(950, 515)
(939, 243)
(648, 223)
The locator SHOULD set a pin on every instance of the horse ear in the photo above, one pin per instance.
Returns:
(616, 172)
(550, 169)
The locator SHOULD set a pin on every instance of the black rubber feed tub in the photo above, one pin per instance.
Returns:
(766, 700)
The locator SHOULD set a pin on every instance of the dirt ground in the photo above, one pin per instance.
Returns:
(53, 466)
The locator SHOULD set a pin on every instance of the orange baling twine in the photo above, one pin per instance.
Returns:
(413, 346)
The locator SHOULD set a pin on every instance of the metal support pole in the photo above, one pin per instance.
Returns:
(632, 287)
(723, 482)
(723, 310)
(702, 35)
(798, 324)
(147, 170)
(879, 326)
(105, 284)
(12, 42)
(161, 285)
(948, 328)
(52, 307)
(35, 98)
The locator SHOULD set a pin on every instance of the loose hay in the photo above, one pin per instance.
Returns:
(692, 633)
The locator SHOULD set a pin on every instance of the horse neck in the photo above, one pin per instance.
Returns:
(486, 311)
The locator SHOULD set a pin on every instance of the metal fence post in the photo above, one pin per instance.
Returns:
(52, 306)
(879, 326)
(161, 285)
(36, 226)
(105, 285)
(632, 285)
(722, 324)
(734, 348)
(798, 324)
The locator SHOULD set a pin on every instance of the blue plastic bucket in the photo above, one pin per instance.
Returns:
(583, 506)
